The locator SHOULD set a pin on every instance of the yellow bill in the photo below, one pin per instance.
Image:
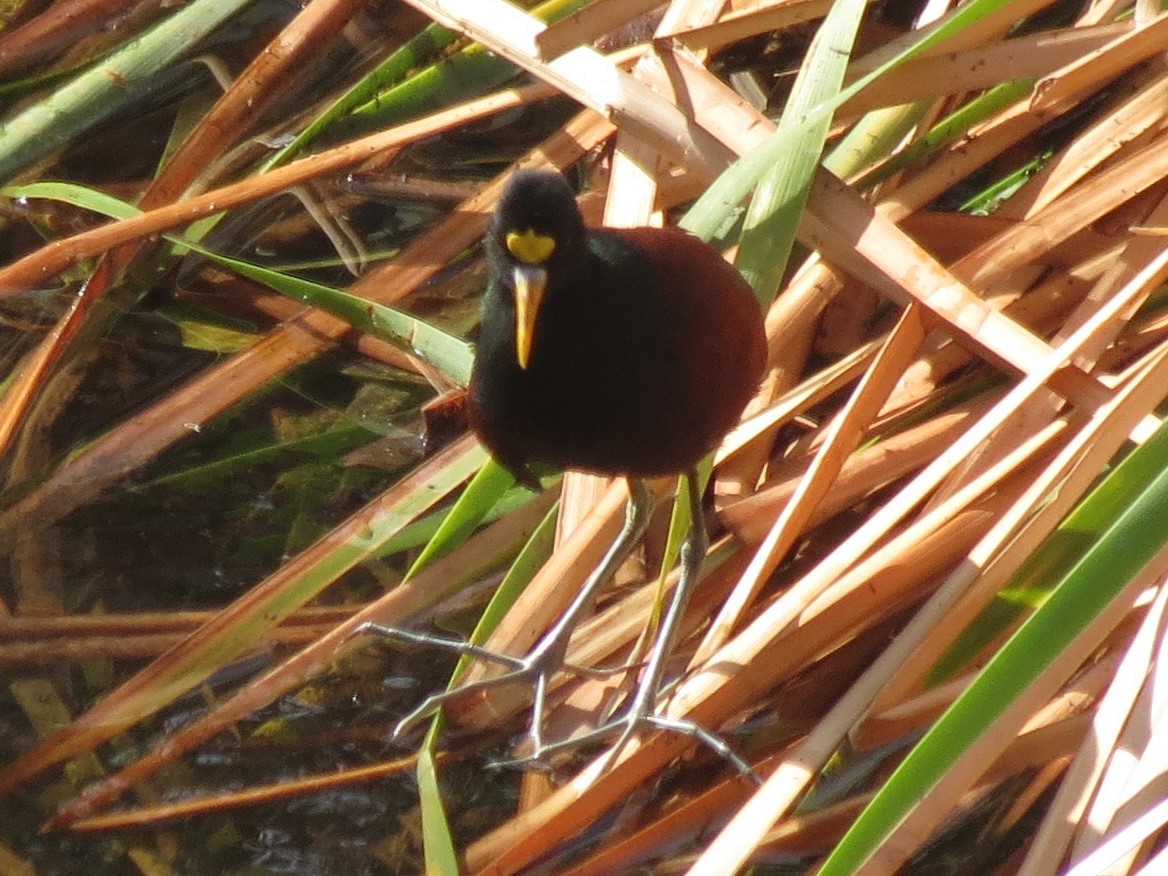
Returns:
(530, 283)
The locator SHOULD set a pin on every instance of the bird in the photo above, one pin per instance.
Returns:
(625, 352)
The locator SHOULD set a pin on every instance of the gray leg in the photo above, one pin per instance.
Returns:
(641, 712)
(547, 657)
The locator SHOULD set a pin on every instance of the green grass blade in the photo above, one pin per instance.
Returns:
(873, 138)
(680, 519)
(106, 87)
(437, 840)
(439, 844)
(1032, 584)
(1128, 509)
(768, 232)
(474, 503)
(718, 208)
(76, 195)
(431, 40)
(954, 126)
(385, 97)
(448, 353)
(529, 561)
(462, 76)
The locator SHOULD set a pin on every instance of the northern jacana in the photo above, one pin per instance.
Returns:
(619, 351)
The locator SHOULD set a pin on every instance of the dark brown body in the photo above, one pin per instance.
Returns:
(647, 348)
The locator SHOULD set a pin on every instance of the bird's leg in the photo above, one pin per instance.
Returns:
(642, 709)
(693, 554)
(547, 656)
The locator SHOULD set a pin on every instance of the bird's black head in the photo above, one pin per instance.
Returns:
(536, 235)
(536, 219)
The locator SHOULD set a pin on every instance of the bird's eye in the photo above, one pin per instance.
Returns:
(530, 247)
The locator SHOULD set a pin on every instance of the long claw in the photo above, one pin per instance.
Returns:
(630, 725)
(711, 740)
(458, 646)
(548, 655)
